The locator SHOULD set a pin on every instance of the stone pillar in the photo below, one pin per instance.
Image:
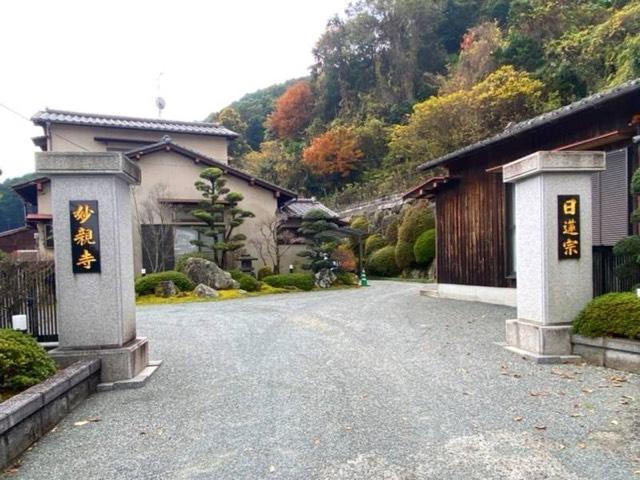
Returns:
(95, 298)
(553, 250)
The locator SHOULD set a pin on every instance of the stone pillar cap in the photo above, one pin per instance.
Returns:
(550, 162)
(88, 163)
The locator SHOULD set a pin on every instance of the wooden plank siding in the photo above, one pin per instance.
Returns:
(470, 214)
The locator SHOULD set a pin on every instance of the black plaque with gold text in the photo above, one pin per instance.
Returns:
(569, 238)
(85, 236)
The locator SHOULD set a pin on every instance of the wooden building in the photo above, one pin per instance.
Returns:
(474, 208)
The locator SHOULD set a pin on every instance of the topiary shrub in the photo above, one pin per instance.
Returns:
(383, 263)
(346, 278)
(183, 259)
(23, 362)
(424, 250)
(373, 243)
(303, 281)
(246, 281)
(610, 315)
(147, 284)
(415, 220)
(391, 233)
(264, 272)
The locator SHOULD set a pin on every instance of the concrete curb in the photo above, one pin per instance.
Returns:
(617, 353)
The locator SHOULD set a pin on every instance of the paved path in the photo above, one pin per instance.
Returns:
(374, 383)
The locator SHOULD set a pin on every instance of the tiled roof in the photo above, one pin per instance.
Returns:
(300, 206)
(167, 144)
(131, 123)
(630, 87)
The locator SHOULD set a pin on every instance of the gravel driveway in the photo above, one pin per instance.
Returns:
(373, 383)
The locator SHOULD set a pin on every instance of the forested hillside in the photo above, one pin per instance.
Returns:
(398, 82)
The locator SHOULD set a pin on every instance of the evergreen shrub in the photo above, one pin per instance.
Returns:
(147, 284)
(416, 220)
(373, 243)
(264, 272)
(383, 263)
(346, 278)
(424, 250)
(246, 281)
(303, 281)
(610, 315)
(23, 362)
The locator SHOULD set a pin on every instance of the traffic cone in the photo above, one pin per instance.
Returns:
(363, 279)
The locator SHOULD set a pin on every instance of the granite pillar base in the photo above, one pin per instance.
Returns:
(119, 363)
(540, 343)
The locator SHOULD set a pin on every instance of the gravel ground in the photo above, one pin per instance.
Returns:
(375, 383)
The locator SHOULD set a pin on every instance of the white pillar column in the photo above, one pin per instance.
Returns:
(553, 249)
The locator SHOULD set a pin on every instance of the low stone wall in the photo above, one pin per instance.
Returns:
(609, 352)
(30, 414)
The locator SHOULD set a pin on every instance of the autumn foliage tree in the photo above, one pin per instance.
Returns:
(334, 152)
(292, 112)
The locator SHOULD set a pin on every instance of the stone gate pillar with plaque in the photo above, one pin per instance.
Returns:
(553, 250)
(92, 231)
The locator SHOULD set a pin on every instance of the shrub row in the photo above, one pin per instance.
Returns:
(303, 281)
(147, 284)
(613, 314)
(246, 281)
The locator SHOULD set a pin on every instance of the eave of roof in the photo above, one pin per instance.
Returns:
(65, 117)
(167, 144)
(628, 88)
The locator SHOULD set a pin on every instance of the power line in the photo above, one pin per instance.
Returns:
(23, 117)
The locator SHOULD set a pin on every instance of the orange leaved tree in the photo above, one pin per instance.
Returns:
(292, 112)
(335, 151)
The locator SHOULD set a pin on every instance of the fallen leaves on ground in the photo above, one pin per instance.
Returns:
(540, 427)
(538, 394)
(88, 420)
(518, 418)
(563, 374)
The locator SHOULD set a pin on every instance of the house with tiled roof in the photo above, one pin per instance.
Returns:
(171, 155)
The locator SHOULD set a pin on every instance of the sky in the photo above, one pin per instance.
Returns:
(107, 57)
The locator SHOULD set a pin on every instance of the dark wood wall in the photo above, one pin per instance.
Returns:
(470, 213)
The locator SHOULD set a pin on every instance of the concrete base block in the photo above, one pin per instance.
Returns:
(122, 363)
(138, 381)
(618, 353)
(541, 343)
(471, 293)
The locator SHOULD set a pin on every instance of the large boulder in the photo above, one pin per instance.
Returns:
(325, 278)
(166, 289)
(203, 271)
(203, 290)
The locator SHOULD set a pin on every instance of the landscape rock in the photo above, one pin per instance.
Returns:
(242, 292)
(208, 273)
(325, 278)
(166, 289)
(203, 290)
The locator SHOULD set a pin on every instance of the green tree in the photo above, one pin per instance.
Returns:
(230, 118)
(321, 237)
(220, 213)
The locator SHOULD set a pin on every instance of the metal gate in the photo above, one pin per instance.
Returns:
(29, 288)
(605, 279)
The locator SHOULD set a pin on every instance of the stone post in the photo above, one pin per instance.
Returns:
(92, 231)
(553, 250)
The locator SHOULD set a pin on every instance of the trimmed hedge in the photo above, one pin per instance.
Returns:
(373, 243)
(264, 272)
(346, 278)
(415, 220)
(424, 249)
(147, 284)
(183, 259)
(391, 233)
(610, 315)
(303, 281)
(383, 263)
(246, 281)
(23, 362)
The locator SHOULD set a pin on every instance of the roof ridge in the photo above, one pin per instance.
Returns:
(128, 117)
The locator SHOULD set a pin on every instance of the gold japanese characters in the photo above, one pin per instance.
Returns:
(568, 227)
(85, 247)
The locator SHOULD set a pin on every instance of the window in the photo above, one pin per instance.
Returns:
(510, 229)
(48, 235)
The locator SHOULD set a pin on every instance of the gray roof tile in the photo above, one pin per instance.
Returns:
(301, 206)
(132, 123)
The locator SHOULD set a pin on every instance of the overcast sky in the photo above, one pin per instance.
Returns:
(105, 57)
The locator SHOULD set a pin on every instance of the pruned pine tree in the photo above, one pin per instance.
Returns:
(321, 237)
(221, 215)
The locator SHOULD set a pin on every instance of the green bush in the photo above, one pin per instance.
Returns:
(346, 278)
(610, 315)
(23, 362)
(246, 281)
(264, 272)
(391, 233)
(183, 259)
(373, 243)
(383, 263)
(415, 220)
(148, 283)
(303, 281)
(424, 250)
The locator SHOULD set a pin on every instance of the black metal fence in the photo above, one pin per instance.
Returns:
(605, 280)
(29, 288)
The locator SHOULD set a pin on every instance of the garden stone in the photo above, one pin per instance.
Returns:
(325, 278)
(166, 289)
(203, 290)
(242, 292)
(203, 271)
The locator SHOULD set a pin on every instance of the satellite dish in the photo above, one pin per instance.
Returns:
(160, 103)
